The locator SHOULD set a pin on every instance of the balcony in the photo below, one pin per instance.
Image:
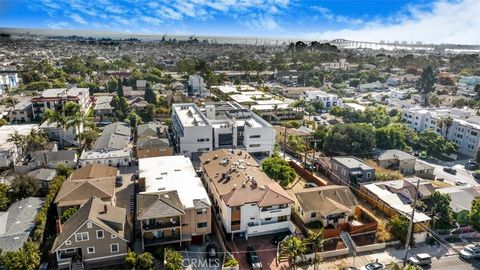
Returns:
(254, 229)
(64, 261)
(269, 213)
(161, 240)
(235, 227)
(161, 224)
(235, 216)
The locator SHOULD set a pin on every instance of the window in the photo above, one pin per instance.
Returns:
(474, 133)
(89, 225)
(113, 236)
(254, 145)
(68, 243)
(369, 175)
(313, 214)
(100, 234)
(201, 211)
(70, 250)
(83, 236)
(255, 136)
(202, 225)
(90, 250)
(114, 248)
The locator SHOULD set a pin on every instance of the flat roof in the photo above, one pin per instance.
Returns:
(190, 115)
(170, 173)
(6, 130)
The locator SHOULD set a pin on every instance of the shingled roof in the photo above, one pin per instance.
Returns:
(327, 200)
(94, 171)
(158, 205)
(75, 192)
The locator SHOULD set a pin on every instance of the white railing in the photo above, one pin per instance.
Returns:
(275, 213)
(64, 261)
(267, 228)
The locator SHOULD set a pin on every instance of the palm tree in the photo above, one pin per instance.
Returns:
(19, 141)
(57, 118)
(396, 266)
(293, 248)
(79, 122)
(445, 123)
(315, 240)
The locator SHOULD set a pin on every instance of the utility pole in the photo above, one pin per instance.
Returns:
(410, 225)
(307, 141)
(284, 142)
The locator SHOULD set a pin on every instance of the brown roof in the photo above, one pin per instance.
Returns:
(94, 171)
(75, 192)
(327, 199)
(93, 210)
(238, 179)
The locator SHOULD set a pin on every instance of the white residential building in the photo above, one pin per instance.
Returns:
(246, 201)
(197, 87)
(54, 99)
(9, 152)
(329, 100)
(8, 82)
(221, 125)
(464, 131)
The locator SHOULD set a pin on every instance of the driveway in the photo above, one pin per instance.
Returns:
(195, 257)
(265, 250)
(126, 193)
(462, 174)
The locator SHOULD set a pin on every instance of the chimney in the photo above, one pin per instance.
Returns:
(58, 226)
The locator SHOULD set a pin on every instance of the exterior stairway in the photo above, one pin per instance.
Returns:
(77, 265)
(348, 242)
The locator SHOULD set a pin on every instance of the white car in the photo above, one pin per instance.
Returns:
(420, 259)
(470, 252)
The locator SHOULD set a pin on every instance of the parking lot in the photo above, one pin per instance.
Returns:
(195, 256)
(265, 250)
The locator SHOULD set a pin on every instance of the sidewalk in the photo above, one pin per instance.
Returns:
(386, 256)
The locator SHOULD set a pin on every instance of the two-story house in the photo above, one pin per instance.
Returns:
(95, 236)
(172, 206)
(153, 140)
(397, 160)
(246, 200)
(350, 171)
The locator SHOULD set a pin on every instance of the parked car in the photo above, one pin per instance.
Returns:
(119, 181)
(211, 251)
(450, 170)
(279, 237)
(373, 266)
(420, 259)
(470, 252)
(253, 259)
(471, 165)
(310, 185)
(476, 175)
(349, 268)
(460, 183)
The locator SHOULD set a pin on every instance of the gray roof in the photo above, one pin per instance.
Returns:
(394, 154)
(17, 223)
(115, 136)
(148, 143)
(43, 174)
(151, 129)
(158, 205)
(327, 199)
(352, 163)
(462, 197)
(62, 155)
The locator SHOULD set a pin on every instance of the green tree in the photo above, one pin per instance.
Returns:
(88, 137)
(26, 258)
(350, 139)
(474, 215)
(133, 120)
(63, 170)
(131, 260)
(315, 240)
(442, 213)
(435, 143)
(24, 186)
(150, 95)
(119, 89)
(445, 123)
(56, 118)
(19, 141)
(293, 248)
(173, 260)
(279, 170)
(145, 262)
(406, 267)
(398, 226)
(4, 198)
(68, 214)
(425, 84)
(394, 136)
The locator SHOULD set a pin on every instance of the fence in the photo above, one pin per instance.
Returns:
(310, 177)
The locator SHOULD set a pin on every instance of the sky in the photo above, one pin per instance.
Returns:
(434, 21)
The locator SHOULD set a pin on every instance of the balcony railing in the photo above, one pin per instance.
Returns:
(235, 227)
(64, 261)
(161, 225)
(161, 240)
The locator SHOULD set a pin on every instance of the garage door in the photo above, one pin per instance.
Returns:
(197, 239)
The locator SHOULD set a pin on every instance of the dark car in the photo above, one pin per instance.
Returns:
(211, 251)
(253, 259)
(349, 268)
(278, 237)
(373, 266)
(476, 175)
(119, 181)
(471, 165)
(450, 170)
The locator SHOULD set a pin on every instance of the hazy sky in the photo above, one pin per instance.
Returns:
(437, 21)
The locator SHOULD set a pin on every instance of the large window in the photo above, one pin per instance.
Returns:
(201, 211)
(202, 225)
(83, 236)
(114, 248)
(100, 234)
(90, 250)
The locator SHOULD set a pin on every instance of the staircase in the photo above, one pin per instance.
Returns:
(348, 242)
(76, 266)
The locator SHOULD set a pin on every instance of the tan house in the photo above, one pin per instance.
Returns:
(331, 205)
(153, 141)
(397, 160)
(95, 236)
(87, 182)
(172, 206)
(248, 202)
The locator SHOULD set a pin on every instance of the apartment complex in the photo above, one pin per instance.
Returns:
(153, 140)
(245, 199)
(9, 152)
(463, 129)
(197, 87)
(172, 206)
(220, 125)
(328, 100)
(55, 98)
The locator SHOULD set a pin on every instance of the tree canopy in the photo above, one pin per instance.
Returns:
(350, 139)
(279, 170)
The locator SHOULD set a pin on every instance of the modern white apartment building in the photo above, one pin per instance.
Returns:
(464, 130)
(329, 100)
(245, 199)
(9, 152)
(8, 82)
(197, 87)
(220, 125)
